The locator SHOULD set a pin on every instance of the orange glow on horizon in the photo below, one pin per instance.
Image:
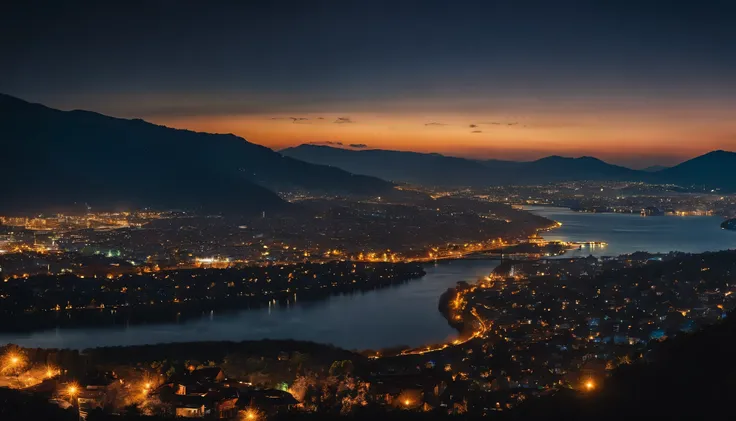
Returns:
(667, 134)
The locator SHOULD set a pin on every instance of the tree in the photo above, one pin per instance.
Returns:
(341, 368)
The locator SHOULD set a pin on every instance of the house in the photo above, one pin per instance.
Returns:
(218, 404)
(208, 375)
(193, 407)
(198, 382)
(408, 390)
(270, 401)
(99, 392)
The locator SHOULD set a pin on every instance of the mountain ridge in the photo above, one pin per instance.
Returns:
(440, 170)
(422, 168)
(79, 156)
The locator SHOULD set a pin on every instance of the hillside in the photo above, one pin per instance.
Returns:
(714, 170)
(440, 170)
(398, 166)
(56, 159)
(686, 377)
(558, 168)
(654, 168)
(689, 377)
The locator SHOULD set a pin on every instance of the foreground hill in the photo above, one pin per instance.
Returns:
(440, 170)
(711, 171)
(57, 158)
(690, 377)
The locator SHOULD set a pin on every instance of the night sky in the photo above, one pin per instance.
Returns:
(636, 83)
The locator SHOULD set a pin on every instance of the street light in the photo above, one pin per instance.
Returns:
(589, 385)
(12, 362)
(251, 415)
(72, 391)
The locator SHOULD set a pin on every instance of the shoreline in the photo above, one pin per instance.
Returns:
(170, 315)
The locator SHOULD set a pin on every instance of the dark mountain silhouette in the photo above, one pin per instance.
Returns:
(654, 168)
(53, 159)
(558, 168)
(440, 170)
(714, 170)
(408, 167)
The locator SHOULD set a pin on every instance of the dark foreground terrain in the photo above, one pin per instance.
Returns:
(687, 377)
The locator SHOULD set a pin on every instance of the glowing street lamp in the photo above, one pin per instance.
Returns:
(589, 385)
(250, 415)
(12, 362)
(72, 391)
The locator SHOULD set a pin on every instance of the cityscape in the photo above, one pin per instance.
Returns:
(204, 218)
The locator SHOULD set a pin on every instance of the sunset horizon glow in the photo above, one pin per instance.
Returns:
(629, 82)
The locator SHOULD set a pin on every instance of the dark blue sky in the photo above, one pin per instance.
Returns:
(542, 62)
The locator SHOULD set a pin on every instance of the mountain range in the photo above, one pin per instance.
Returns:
(430, 169)
(55, 159)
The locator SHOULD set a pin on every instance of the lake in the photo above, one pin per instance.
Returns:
(404, 314)
(627, 233)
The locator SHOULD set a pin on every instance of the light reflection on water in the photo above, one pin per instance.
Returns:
(628, 233)
(404, 314)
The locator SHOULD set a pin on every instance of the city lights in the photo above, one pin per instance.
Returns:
(251, 414)
(71, 391)
(13, 362)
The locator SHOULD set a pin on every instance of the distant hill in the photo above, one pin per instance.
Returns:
(714, 170)
(398, 166)
(440, 170)
(558, 168)
(654, 168)
(54, 159)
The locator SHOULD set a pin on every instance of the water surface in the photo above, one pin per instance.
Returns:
(404, 314)
(628, 233)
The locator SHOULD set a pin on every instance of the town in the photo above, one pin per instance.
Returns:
(323, 230)
(529, 329)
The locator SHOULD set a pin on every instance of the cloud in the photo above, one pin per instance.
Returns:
(476, 131)
(320, 118)
(472, 126)
(343, 120)
(498, 123)
(293, 119)
(358, 145)
(327, 143)
(434, 123)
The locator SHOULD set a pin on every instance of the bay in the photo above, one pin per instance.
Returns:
(628, 233)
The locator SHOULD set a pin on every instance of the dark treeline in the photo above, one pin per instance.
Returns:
(46, 301)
